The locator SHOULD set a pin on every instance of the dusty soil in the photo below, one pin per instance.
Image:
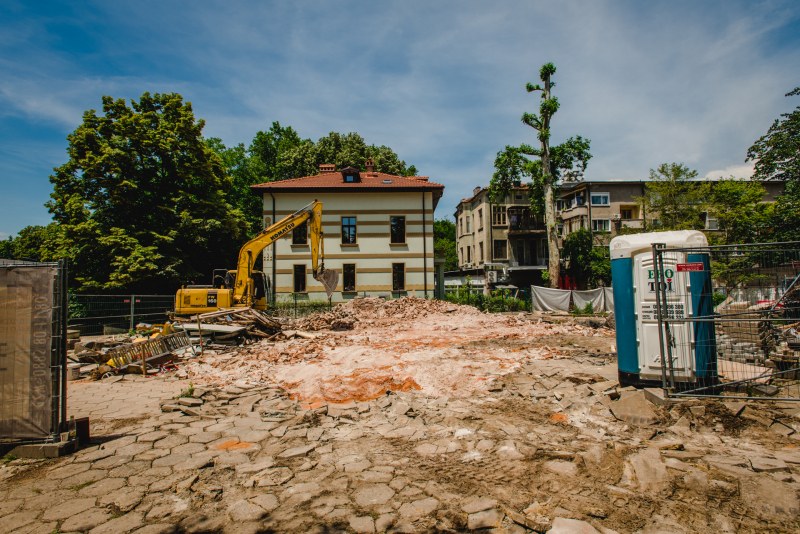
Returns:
(421, 417)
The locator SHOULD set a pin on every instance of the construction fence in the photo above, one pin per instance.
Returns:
(730, 323)
(112, 314)
(33, 354)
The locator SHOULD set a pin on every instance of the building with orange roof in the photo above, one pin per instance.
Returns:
(378, 233)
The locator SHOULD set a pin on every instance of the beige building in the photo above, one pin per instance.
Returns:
(378, 233)
(503, 240)
(607, 207)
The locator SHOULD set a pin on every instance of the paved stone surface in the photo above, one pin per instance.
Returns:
(540, 448)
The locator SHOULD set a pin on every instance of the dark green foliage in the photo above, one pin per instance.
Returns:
(590, 266)
(305, 157)
(143, 202)
(777, 153)
(444, 243)
(786, 214)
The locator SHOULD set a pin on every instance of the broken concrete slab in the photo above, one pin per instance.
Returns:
(633, 408)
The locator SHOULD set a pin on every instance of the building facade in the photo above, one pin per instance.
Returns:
(378, 233)
(607, 207)
(500, 243)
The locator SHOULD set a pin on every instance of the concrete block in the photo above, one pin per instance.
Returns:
(39, 451)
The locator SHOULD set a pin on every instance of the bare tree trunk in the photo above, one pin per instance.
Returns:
(554, 267)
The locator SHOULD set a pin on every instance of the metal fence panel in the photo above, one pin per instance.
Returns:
(110, 314)
(743, 336)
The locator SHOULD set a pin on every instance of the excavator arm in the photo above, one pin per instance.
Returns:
(242, 291)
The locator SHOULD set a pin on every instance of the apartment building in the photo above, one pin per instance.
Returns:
(378, 233)
(504, 242)
(606, 207)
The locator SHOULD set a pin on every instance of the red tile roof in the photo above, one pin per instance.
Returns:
(370, 181)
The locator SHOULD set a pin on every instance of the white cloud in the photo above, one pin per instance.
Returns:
(734, 171)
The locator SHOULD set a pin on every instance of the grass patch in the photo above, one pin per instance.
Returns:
(7, 458)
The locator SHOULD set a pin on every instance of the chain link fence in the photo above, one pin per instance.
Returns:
(743, 337)
(111, 314)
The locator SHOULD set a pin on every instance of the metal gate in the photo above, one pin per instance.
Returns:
(33, 352)
(743, 333)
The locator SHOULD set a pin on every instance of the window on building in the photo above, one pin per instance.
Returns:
(349, 178)
(348, 230)
(300, 234)
(712, 223)
(518, 196)
(600, 199)
(499, 215)
(398, 229)
(299, 278)
(560, 229)
(480, 252)
(469, 255)
(349, 277)
(461, 255)
(398, 277)
(500, 249)
(461, 226)
(480, 219)
(626, 214)
(468, 218)
(601, 225)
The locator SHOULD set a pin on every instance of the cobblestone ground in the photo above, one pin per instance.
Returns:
(540, 452)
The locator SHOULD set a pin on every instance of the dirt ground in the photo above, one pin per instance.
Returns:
(424, 417)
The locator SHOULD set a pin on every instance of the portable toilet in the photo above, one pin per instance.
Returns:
(688, 294)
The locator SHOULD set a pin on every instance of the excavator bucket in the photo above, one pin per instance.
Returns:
(328, 278)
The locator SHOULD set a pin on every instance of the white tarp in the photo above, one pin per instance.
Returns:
(608, 299)
(593, 296)
(547, 299)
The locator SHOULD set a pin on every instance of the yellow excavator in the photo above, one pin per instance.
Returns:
(246, 287)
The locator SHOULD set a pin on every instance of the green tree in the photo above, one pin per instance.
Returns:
(37, 243)
(671, 197)
(341, 150)
(777, 153)
(590, 266)
(550, 165)
(266, 151)
(777, 157)
(7, 248)
(444, 243)
(239, 167)
(143, 200)
(741, 214)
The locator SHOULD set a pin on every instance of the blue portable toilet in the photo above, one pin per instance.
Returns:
(688, 295)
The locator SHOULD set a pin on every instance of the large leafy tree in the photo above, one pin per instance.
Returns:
(674, 199)
(550, 164)
(777, 153)
(143, 202)
(444, 243)
(777, 157)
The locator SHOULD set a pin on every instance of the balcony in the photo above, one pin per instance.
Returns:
(521, 221)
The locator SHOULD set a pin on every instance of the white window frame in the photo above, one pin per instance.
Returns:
(606, 224)
(599, 194)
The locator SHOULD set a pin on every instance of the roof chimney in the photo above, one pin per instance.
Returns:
(476, 190)
(326, 168)
(369, 165)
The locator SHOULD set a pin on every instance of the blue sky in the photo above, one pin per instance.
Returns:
(441, 82)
